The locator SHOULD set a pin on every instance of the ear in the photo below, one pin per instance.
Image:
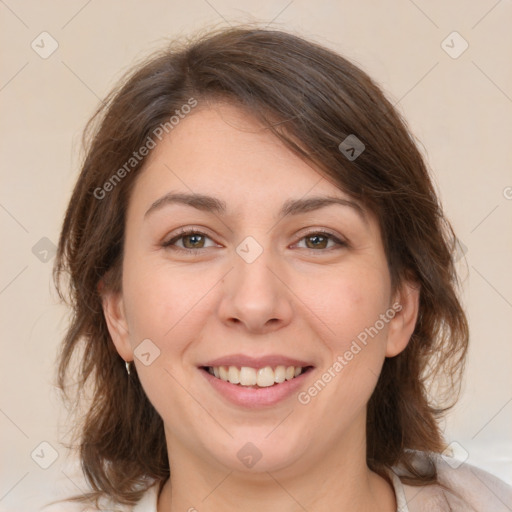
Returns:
(406, 304)
(115, 316)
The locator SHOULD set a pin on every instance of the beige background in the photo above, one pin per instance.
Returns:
(460, 108)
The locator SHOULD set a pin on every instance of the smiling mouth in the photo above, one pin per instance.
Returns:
(246, 376)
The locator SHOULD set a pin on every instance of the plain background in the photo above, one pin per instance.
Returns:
(459, 106)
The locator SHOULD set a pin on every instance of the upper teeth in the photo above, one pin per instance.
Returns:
(262, 377)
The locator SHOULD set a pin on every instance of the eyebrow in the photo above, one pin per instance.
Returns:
(290, 207)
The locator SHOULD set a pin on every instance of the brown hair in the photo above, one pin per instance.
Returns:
(312, 99)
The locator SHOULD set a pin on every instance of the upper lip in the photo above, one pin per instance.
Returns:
(272, 360)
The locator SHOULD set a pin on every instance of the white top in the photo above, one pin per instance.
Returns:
(470, 489)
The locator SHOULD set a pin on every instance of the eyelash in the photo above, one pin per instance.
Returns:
(183, 233)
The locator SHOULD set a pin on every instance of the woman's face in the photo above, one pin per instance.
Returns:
(257, 284)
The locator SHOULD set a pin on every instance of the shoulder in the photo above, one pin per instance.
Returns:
(148, 503)
(464, 487)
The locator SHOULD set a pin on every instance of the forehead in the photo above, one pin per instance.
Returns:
(222, 152)
(221, 139)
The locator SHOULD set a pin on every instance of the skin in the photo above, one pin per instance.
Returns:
(301, 297)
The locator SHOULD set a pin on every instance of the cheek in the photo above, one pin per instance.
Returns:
(162, 305)
(349, 303)
(161, 299)
(355, 345)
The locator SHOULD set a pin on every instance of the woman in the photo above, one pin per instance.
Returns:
(263, 290)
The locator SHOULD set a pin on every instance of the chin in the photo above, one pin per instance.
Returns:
(253, 454)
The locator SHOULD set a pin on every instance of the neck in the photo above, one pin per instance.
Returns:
(337, 479)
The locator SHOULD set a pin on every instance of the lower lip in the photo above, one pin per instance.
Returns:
(256, 397)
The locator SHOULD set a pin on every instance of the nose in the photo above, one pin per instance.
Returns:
(255, 295)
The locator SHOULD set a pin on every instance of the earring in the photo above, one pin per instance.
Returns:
(127, 365)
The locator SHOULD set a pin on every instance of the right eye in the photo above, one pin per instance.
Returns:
(192, 240)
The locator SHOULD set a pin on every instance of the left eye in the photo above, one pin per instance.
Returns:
(320, 239)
